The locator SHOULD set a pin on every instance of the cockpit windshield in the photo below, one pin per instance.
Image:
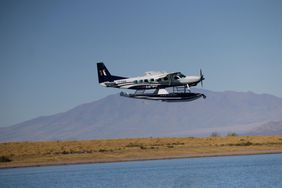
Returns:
(181, 75)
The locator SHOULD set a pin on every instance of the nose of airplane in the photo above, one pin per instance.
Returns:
(190, 79)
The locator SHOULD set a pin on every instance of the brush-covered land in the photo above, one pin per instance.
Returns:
(18, 154)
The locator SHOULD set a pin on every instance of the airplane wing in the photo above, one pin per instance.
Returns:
(154, 73)
(169, 75)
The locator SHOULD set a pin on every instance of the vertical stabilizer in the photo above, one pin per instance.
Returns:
(104, 75)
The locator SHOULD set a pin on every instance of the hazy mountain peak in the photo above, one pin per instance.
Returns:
(119, 117)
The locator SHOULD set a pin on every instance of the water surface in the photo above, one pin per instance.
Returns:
(238, 171)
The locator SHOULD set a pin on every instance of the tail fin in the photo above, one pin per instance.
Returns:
(104, 75)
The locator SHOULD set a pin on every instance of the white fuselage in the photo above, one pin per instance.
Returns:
(152, 80)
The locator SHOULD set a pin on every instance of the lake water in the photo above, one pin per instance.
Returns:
(237, 171)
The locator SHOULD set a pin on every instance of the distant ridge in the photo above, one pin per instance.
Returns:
(118, 117)
(269, 128)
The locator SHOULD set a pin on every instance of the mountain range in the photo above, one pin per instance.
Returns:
(245, 113)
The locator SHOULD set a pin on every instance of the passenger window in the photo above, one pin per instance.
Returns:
(165, 78)
(146, 80)
(135, 82)
(152, 80)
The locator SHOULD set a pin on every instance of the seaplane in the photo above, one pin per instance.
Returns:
(167, 87)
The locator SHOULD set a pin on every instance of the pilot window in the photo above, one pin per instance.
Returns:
(158, 79)
(165, 78)
(181, 75)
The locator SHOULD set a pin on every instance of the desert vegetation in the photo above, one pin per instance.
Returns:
(4, 159)
(16, 154)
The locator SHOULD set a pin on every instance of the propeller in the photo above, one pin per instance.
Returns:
(202, 77)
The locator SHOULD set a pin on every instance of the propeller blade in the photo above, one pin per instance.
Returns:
(202, 77)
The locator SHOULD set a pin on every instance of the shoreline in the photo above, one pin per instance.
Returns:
(50, 153)
(101, 161)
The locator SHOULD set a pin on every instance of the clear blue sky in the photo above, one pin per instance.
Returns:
(49, 49)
